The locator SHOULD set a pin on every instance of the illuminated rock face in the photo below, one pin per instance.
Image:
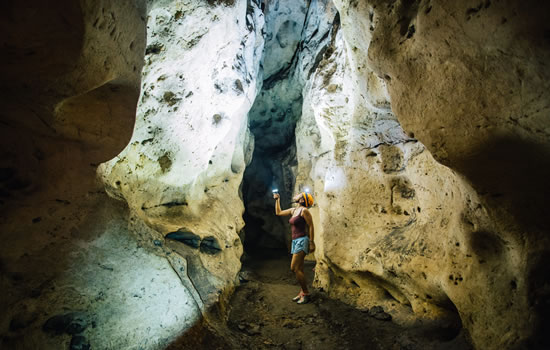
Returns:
(71, 87)
(383, 94)
(393, 223)
(181, 172)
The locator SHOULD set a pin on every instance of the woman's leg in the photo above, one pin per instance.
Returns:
(297, 266)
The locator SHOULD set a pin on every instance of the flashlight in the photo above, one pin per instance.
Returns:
(275, 191)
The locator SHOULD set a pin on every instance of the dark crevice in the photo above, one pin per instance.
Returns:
(210, 245)
(185, 237)
(538, 281)
(168, 205)
(279, 75)
(273, 119)
(325, 52)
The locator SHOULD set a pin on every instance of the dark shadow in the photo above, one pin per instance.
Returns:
(513, 174)
(539, 298)
(49, 196)
(488, 246)
(258, 182)
(203, 335)
(41, 41)
(513, 178)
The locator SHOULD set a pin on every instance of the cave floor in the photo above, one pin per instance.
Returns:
(263, 316)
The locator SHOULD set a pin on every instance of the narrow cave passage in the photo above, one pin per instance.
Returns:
(261, 313)
(272, 120)
(421, 127)
(271, 168)
(263, 229)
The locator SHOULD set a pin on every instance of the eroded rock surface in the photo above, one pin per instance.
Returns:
(182, 169)
(422, 127)
(394, 224)
(73, 271)
(70, 82)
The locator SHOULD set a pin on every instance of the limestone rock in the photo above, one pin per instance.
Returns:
(182, 169)
(421, 126)
(70, 82)
(396, 227)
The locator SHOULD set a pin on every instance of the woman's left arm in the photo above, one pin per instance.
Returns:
(311, 231)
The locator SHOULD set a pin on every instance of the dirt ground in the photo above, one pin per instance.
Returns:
(263, 316)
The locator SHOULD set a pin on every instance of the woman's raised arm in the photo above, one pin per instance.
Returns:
(278, 210)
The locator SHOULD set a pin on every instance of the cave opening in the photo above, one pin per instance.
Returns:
(296, 36)
(263, 229)
(272, 120)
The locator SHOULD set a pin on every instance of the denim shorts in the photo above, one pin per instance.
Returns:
(299, 244)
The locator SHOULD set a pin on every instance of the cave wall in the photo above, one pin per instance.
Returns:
(396, 227)
(423, 132)
(182, 170)
(82, 265)
(79, 268)
(488, 119)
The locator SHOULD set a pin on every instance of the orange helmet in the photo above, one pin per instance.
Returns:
(308, 199)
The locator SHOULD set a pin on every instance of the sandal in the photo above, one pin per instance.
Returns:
(304, 299)
(298, 297)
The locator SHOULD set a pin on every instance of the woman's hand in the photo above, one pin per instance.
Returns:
(311, 246)
(276, 196)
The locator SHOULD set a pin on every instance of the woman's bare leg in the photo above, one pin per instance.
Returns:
(297, 266)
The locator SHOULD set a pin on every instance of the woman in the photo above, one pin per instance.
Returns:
(302, 238)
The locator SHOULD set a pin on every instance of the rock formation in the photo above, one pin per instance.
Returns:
(79, 265)
(181, 172)
(396, 225)
(421, 126)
